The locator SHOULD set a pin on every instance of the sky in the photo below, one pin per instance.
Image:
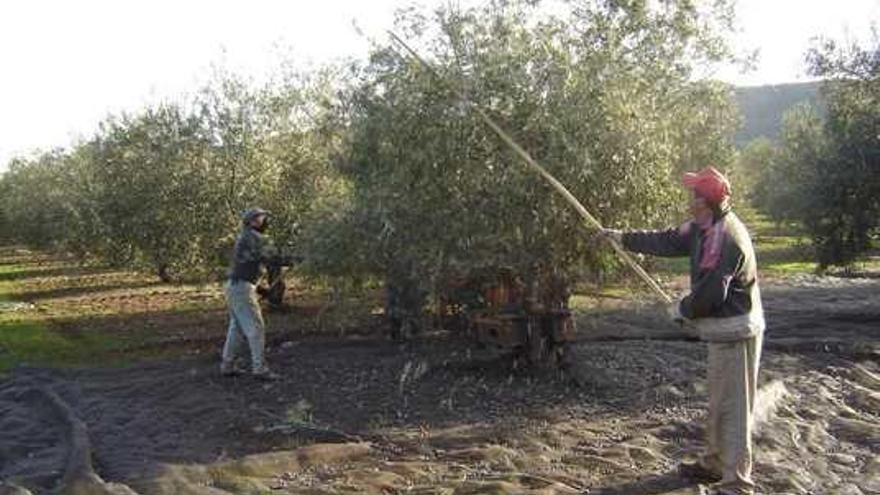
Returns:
(67, 64)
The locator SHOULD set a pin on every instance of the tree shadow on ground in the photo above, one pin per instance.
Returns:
(83, 290)
(53, 271)
(25, 260)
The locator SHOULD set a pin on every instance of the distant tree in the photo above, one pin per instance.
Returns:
(163, 188)
(787, 188)
(6, 226)
(35, 200)
(851, 178)
(152, 196)
(826, 174)
(752, 166)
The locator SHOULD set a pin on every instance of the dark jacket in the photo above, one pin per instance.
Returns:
(727, 287)
(253, 252)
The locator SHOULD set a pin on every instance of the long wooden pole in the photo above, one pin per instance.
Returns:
(536, 167)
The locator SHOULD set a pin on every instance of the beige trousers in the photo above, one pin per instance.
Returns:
(245, 324)
(733, 381)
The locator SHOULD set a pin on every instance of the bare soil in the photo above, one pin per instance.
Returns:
(356, 413)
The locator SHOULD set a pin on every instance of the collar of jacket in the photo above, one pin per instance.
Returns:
(720, 211)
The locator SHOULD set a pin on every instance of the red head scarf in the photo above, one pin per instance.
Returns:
(709, 184)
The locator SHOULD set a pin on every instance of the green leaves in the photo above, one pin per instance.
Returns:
(162, 189)
(381, 170)
(826, 174)
(588, 93)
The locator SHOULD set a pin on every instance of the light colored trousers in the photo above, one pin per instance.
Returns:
(245, 323)
(733, 379)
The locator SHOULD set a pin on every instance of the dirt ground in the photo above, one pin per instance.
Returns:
(356, 413)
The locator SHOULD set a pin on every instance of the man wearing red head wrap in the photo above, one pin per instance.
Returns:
(709, 184)
(724, 305)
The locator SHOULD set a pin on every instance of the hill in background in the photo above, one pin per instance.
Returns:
(762, 107)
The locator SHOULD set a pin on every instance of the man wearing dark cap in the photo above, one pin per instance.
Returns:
(724, 305)
(253, 252)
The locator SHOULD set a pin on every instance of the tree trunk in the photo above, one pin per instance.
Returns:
(163, 273)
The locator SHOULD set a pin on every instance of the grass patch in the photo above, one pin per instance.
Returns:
(57, 313)
(27, 339)
(671, 266)
(34, 343)
(790, 267)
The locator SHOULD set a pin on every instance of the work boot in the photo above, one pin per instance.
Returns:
(265, 374)
(696, 471)
(230, 368)
(708, 490)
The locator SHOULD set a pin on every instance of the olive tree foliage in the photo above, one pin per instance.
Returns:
(787, 185)
(748, 170)
(598, 92)
(6, 236)
(275, 146)
(152, 195)
(39, 222)
(163, 189)
(380, 170)
(826, 174)
(45, 200)
(850, 173)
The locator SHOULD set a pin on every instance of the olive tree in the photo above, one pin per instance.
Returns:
(826, 173)
(848, 181)
(273, 146)
(595, 92)
(33, 199)
(152, 197)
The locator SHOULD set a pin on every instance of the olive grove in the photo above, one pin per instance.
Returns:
(379, 170)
